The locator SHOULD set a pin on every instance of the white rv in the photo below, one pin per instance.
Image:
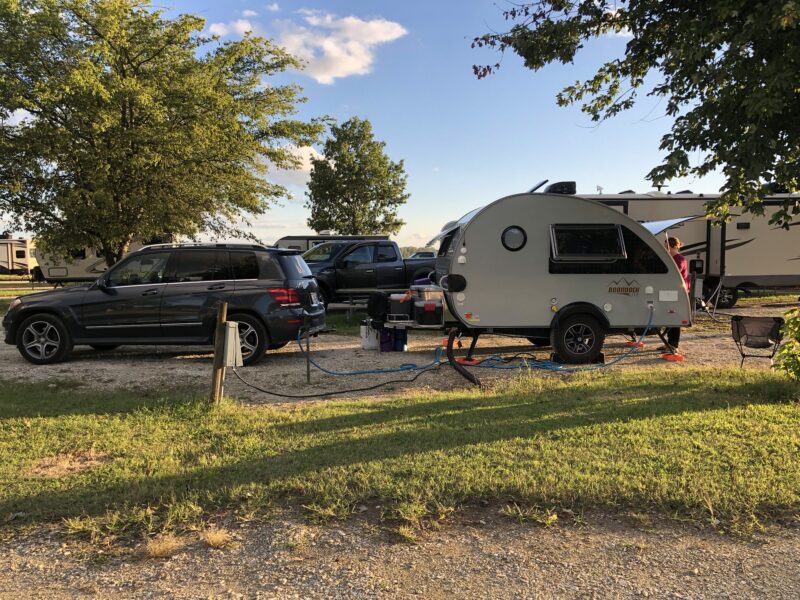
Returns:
(16, 256)
(746, 253)
(84, 264)
(561, 266)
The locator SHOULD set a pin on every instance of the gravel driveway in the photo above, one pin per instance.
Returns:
(140, 368)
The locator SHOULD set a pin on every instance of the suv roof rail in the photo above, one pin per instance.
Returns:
(206, 245)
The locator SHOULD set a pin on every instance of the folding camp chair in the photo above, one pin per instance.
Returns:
(756, 332)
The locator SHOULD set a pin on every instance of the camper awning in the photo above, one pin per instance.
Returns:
(656, 227)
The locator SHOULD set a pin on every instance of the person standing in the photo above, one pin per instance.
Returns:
(673, 246)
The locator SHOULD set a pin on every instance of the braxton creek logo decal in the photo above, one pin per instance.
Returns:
(624, 287)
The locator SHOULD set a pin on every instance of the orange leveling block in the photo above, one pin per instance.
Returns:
(468, 361)
(634, 344)
(672, 357)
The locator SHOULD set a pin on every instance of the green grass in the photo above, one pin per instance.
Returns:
(338, 321)
(715, 445)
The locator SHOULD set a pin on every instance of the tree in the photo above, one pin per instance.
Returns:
(728, 75)
(354, 188)
(137, 125)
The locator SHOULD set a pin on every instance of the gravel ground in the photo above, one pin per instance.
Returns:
(143, 368)
(479, 555)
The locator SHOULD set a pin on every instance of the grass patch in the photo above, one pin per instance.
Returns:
(717, 445)
(339, 322)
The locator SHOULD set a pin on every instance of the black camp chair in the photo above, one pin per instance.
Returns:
(756, 332)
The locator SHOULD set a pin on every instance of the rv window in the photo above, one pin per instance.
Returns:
(641, 258)
(139, 270)
(386, 253)
(514, 238)
(20, 254)
(586, 242)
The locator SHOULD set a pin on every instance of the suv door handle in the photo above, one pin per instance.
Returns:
(216, 286)
(369, 271)
(398, 268)
(151, 292)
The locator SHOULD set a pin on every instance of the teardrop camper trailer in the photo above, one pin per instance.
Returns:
(558, 266)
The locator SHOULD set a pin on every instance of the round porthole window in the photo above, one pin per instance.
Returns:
(514, 238)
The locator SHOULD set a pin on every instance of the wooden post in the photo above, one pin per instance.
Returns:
(308, 348)
(218, 372)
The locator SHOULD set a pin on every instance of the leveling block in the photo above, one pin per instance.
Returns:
(672, 357)
(635, 344)
(468, 361)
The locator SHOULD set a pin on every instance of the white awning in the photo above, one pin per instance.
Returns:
(656, 227)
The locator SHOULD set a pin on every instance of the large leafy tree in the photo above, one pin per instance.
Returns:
(135, 124)
(355, 189)
(728, 72)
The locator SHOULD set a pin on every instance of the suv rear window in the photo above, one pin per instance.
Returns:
(295, 266)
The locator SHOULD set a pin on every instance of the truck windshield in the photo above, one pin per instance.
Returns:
(323, 252)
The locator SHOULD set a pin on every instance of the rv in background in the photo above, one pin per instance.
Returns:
(306, 242)
(746, 253)
(82, 265)
(16, 256)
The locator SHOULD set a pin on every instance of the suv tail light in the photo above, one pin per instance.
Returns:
(285, 296)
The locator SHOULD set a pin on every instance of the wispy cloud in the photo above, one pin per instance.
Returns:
(237, 27)
(298, 177)
(335, 47)
(249, 13)
(273, 7)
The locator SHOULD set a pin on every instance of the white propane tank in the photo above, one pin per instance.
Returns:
(370, 337)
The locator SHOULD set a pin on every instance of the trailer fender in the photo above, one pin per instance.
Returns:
(581, 308)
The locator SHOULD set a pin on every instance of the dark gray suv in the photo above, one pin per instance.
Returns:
(168, 294)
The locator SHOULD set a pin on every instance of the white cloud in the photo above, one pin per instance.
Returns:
(335, 47)
(273, 7)
(249, 13)
(237, 27)
(299, 176)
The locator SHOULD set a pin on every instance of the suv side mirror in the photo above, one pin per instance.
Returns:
(696, 266)
(102, 284)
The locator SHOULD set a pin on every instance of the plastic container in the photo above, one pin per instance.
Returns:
(428, 312)
(387, 340)
(400, 340)
(400, 306)
(427, 292)
(370, 337)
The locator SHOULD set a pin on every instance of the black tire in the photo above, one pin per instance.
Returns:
(104, 347)
(539, 342)
(324, 296)
(578, 339)
(36, 275)
(43, 340)
(728, 297)
(277, 346)
(253, 338)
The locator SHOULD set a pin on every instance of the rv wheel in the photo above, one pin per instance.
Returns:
(578, 339)
(727, 297)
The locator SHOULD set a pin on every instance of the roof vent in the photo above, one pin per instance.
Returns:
(685, 192)
(627, 192)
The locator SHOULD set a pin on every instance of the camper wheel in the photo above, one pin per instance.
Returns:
(727, 297)
(578, 339)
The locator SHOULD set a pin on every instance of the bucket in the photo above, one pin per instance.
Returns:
(400, 340)
(370, 338)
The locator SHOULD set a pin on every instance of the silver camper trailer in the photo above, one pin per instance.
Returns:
(16, 256)
(558, 266)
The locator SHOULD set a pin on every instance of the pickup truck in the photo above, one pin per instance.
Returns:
(357, 268)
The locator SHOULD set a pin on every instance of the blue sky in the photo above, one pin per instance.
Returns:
(407, 67)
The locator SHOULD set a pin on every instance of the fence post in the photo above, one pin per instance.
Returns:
(218, 371)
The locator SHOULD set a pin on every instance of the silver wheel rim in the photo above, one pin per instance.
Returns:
(248, 339)
(725, 296)
(579, 338)
(41, 340)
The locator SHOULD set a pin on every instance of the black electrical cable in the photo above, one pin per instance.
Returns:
(335, 393)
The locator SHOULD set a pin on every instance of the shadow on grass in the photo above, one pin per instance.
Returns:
(380, 433)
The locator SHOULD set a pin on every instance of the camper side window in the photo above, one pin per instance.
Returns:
(586, 243)
(640, 258)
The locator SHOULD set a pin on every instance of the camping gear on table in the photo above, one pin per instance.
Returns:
(427, 292)
(428, 312)
(400, 307)
(758, 333)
